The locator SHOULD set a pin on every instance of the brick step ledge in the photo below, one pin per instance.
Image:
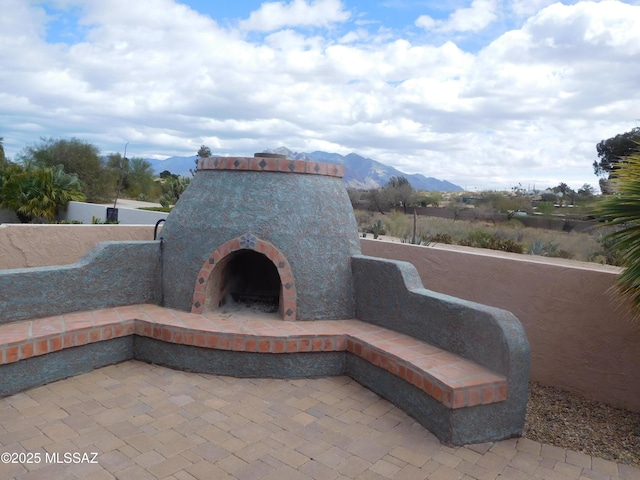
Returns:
(450, 379)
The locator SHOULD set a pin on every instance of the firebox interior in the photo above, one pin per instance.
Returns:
(245, 278)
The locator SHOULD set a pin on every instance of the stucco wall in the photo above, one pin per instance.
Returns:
(579, 337)
(307, 217)
(25, 245)
(85, 212)
(111, 274)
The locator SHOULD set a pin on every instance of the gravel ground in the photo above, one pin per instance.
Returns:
(565, 420)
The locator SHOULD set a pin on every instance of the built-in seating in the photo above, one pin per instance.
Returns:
(450, 379)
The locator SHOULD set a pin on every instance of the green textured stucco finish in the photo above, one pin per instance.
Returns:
(110, 275)
(308, 218)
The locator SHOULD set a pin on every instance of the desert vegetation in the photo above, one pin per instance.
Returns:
(45, 176)
(508, 236)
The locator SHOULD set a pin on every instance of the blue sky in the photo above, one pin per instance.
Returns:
(487, 94)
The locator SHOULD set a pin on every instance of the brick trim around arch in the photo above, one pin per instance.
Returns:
(248, 241)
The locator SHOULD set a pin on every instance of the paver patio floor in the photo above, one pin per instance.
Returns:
(149, 422)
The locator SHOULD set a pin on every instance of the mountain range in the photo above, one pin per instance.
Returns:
(359, 172)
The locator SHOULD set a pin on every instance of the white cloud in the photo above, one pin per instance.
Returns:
(478, 16)
(273, 16)
(528, 107)
(524, 8)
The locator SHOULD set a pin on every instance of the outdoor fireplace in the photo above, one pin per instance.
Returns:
(264, 232)
(281, 236)
(245, 278)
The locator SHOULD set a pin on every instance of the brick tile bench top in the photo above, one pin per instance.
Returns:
(450, 379)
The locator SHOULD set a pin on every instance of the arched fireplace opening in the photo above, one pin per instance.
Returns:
(245, 278)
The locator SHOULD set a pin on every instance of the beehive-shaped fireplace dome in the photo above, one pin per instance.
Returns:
(262, 230)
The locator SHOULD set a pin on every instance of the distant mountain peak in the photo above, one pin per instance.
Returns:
(359, 172)
(366, 173)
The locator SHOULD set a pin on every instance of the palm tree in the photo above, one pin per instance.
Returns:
(34, 192)
(622, 209)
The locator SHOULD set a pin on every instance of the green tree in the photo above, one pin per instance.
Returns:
(566, 193)
(3, 159)
(78, 157)
(400, 192)
(139, 178)
(433, 198)
(173, 187)
(166, 174)
(614, 150)
(37, 192)
(622, 209)
(586, 193)
(378, 199)
(354, 196)
(204, 152)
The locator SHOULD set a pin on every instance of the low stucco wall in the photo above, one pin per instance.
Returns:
(26, 245)
(580, 337)
(112, 274)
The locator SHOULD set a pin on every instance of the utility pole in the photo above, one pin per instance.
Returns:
(122, 166)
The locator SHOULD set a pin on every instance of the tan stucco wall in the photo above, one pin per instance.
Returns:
(25, 245)
(580, 339)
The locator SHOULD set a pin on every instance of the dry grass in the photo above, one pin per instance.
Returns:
(578, 246)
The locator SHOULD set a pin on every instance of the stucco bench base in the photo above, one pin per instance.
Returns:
(457, 400)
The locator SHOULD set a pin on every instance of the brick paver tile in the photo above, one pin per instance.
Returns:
(206, 471)
(525, 462)
(447, 459)
(526, 445)
(571, 471)
(143, 442)
(551, 451)
(628, 473)
(411, 472)
(332, 457)
(492, 462)
(318, 471)
(446, 473)
(231, 464)
(545, 473)
(136, 472)
(480, 448)
(314, 447)
(115, 461)
(148, 458)
(579, 459)
(290, 457)
(604, 466)
(510, 473)
(100, 475)
(588, 474)
(384, 468)
(468, 455)
(369, 449)
(410, 456)
(149, 422)
(507, 450)
(475, 471)
(353, 466)
(256, 470)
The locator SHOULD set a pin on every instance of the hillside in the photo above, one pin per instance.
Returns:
(359, 172)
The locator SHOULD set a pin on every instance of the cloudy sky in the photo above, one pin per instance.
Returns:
(486, 93)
